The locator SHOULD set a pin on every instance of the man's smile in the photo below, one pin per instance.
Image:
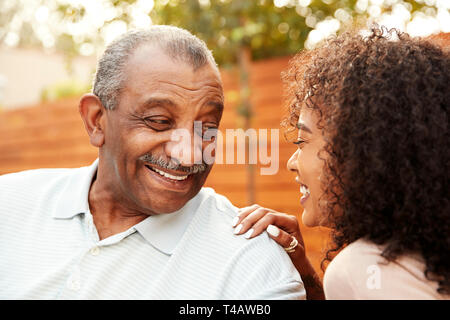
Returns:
(168, 175)
(170, 179)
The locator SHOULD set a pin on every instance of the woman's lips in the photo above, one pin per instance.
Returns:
(303, 199)
(305, 192)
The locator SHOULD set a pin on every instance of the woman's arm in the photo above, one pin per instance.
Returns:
(283, 228)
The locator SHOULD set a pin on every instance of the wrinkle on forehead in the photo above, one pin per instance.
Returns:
(162, 77)
(217, 86)
(153, 58)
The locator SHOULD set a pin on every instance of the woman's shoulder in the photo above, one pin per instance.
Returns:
(363, 251)
(346, 273)
(360, 272)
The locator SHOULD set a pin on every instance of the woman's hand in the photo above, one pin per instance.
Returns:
(283, 228)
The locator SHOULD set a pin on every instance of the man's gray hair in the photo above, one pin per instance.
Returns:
(175, 42)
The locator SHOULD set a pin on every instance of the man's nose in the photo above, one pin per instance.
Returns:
(185, 147)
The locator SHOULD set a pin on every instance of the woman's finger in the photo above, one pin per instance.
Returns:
(249, 220)
(244, 212)
(284, 221)
(287, 222)
(260, 223)
(285, 239)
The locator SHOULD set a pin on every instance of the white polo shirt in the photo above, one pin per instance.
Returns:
(50, 249)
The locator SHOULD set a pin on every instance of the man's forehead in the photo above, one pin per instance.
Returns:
(154, 56)
(152, 63)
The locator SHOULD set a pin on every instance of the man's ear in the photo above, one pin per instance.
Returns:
(93, 114)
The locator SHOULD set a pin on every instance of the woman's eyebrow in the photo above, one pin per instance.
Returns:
(301, 126)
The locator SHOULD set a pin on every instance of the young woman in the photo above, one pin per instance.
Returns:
(371, 117)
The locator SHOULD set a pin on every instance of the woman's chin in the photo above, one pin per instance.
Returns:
(311, 218)
(308, 218)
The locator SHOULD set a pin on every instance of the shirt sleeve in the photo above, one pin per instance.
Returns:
(264, 272)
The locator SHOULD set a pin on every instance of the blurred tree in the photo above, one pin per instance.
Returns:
(266, 27)
(64, 89)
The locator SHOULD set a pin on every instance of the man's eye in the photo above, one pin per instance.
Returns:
(158, 124)
(210, 128)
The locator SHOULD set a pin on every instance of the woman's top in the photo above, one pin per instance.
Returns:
(360, 272)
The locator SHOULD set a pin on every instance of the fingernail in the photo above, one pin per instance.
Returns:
(238, 228)
(273, 231)
(235, 221)
(249, 233)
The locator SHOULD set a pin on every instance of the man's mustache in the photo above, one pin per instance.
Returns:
(173, 164)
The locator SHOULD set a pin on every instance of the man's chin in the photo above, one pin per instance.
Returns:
(166, 205)
(162, 201)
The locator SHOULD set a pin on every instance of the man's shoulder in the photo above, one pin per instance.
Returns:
(217, 221)
(258, 266)
(36, 177)
(224, 207)
(34, 174)
(37, 181)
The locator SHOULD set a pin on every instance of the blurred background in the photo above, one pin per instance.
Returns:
(49, 49)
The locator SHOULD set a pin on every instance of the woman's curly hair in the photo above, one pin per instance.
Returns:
(383, 103)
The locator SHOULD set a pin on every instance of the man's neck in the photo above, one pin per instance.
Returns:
(109, 215)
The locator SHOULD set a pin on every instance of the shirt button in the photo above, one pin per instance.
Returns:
(75, 285)
(95, 251)
(73, 282)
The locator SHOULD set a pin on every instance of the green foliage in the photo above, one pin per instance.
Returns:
(64, 89)
(226, 26)
(268, 30)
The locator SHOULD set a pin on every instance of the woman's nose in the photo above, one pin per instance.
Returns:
(292, 162)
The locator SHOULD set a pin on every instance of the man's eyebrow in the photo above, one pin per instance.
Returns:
(158, 101)
(301, 126)
(216, 104)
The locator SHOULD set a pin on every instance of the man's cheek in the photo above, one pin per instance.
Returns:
(200, 178)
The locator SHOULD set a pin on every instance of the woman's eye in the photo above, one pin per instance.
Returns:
(299, 142)
(158, 124)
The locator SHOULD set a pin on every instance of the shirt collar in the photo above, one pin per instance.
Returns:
(163, 231)
(73, 198)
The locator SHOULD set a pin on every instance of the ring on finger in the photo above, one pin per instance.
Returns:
(292, 245)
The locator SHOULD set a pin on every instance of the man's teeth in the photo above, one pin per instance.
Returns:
(167, 175)
(304, 190)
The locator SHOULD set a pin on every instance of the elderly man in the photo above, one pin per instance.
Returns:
(137, 224)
